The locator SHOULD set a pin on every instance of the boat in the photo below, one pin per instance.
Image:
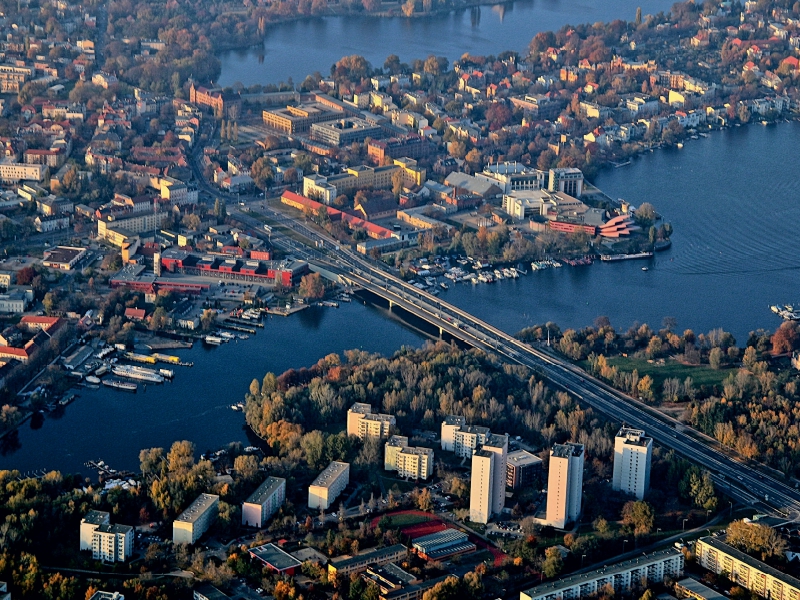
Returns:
(444, 286)
(121, 385)
(786, 312)
(331, 304)
(166, 373)
(212, 340)
(234, 407)
(66, 399)
(138, 373)
(645, 269)
(93, 380)
(679, 144)
(226, 335)
(102, 370)
(633, 256)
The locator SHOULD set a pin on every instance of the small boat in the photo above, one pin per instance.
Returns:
(212, 340)
(166, 373)
(645, 269)
(121, 385)
(444, 286)
(679, 144)
(93, 380)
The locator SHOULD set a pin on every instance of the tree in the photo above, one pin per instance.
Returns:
(220, 210)
(715, 358)
(158, 320)
(553, 563)
(207, 319)
(757, 539)
(424, 500)
(246, 466)
(180, 457)
(638, 20)
(639, 516)
(262, 173)
(311, 286)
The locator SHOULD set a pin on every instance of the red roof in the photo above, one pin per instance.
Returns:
(135, 313)
(44, 322)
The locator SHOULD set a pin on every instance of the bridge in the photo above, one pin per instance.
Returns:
(737, 479)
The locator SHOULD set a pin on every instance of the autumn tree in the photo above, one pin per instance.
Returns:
(312, 286)
(754, 538)
(638, 516)
(262, 173)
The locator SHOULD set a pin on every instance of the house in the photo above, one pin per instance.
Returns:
(135, 314)
(377, 208)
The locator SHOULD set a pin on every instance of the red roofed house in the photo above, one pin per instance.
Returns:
(134, 314)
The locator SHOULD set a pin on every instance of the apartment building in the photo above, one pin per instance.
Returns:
(415, 463)
(363, 423)
(195, 520)
(522, 469)
(488, 481)
(450, 425)
(112, 543)
(632, 456)
(13, 172)
(92, 520)
(620, 577)
(565, 484)
(13, 77)
(469, 437)
(139, 223)
(328, 485)
(714, 554)
(391, 449)
(264, 502)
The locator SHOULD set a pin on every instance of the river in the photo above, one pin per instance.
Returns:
(298, 48)
(732, 202)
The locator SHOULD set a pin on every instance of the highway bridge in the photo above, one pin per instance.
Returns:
(737, 479)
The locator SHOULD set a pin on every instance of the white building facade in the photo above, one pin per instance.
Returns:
(328, 485)
(264, 502)
(195, 520)
(632, 457)
(565, 484)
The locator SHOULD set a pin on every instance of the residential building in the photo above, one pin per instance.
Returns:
(264, 502)
(415, 463)
(411, 146)
(480, 492)
(52, 223)
(275, 559)
(567, 180)
(13, 172)
(92, 520)
(620, 577)
(112, 543)
(469, 437)
(344, 131)
(691, 588)
(327, 188)
(347, 565)
(363, 423)
(523, 469)
(328, 485)
(13, 78)
(632, 455)
(297, 119)
(443, 544)
(15, 301)
(391, 449)
(565, 484)
(192, 523)
(207, 591)
(450, 425)
(101, 595)
(139, 223)
(714, 554)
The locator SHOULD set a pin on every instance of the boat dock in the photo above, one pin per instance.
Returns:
(243, 323)
(285, 312)
(227, 325)
(171, 360)
(142, 358)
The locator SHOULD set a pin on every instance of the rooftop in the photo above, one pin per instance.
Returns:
(331, 472)
(566, 450)
(698, 590)
(609, 570)
(398, 440)
(275, 557)
(523, 458)
(62, 254)
(114, 528)
(634, 437)
(361, 408)
(96, 517)
(373, 556)
(265, 490)
(198, 508)
(455, 420)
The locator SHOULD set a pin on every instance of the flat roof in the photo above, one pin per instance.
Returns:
(567, 450)
(197, 508)
(454, 420)
(474, 429)
(720, 545)
(265, 490)
(116, 528)
(275, 557)
(399, 441)
(634, 437)
(374, 555)
(331, 472)
(446, 536)
(418, 450)
(96, 517)
(614, 569)
(310, 554)
(522, 458)
(700, 590)
(412, 590)
(62, 254)
(496, 440)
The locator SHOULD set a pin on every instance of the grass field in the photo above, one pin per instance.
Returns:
(404, 520)
(701, 375)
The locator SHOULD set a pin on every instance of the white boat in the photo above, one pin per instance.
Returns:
(212, 340)
(92, 379)
(444, 286)
(226, 335)
(138, 373)
(166, 373)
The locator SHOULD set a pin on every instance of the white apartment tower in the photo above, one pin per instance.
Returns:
(488, 480)
(468, 438)
(92, 520)
(450, 425)
(363, 423)
(632, 455)
(565, 484)
(480, 490)
(112, 543)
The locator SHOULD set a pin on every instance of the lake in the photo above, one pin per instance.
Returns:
(298, 48)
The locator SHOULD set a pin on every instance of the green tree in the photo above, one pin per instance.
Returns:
(553, 564)
(220, 210)
(262, 173)
(639, 516)
(424, 500)
(158, 319)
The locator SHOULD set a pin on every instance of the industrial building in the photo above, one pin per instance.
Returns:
(192, 523)
(565, 484)
(632, 456)
(264, 502)
(276, 559)
(328, 485)
(443, 544)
